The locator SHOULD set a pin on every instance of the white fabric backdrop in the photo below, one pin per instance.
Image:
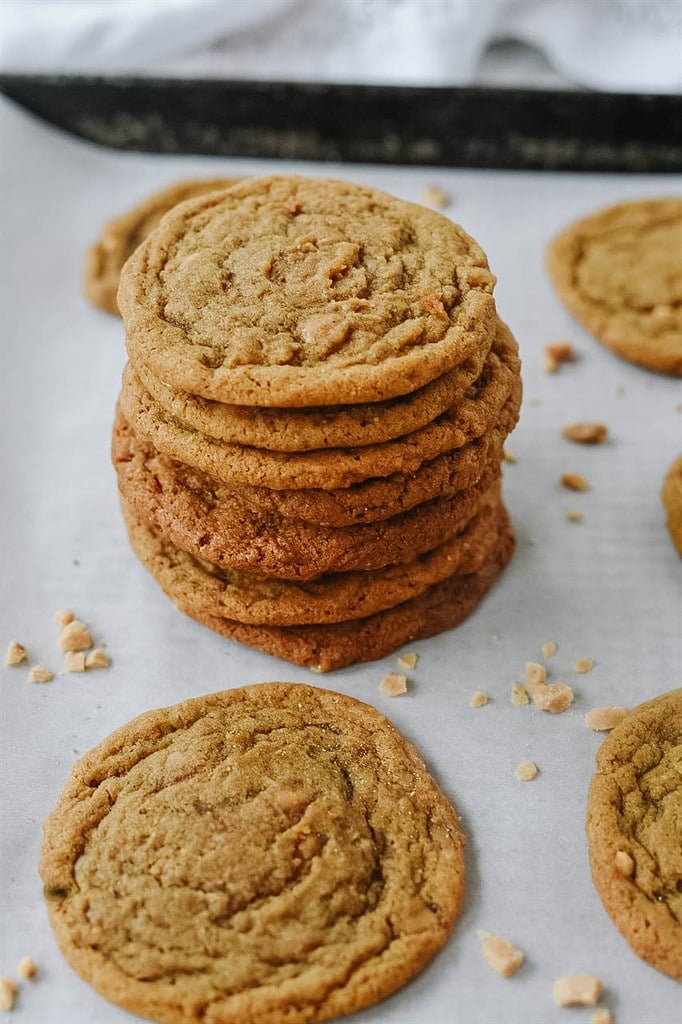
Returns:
(629, 45)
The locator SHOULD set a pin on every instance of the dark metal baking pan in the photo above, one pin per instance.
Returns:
(454, 127)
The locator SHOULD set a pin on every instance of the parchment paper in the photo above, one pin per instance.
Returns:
(608, 588)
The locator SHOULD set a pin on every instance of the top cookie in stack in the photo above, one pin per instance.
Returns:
(318, 390)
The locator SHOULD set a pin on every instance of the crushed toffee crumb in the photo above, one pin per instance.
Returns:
(604, 719)
(436, 197)
(577, 990)
(63, 616)
(519, 694)
(96, 659)
(16, 653)
(555, 698)
(26, 967)
(526, 771)
(393, 684)
(574, 482)
(8, 993)
(74, 637)
(500, 954)
(574, 515)
(585, 433)
(478, 699)
(549, 649)
(583, 665)
(74, 661)
(408, 661)
(624, 863)
(40, 674)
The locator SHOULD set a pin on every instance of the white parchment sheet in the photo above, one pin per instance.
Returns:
(608, 588)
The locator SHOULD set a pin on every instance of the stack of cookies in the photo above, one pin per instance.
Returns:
(309, 434)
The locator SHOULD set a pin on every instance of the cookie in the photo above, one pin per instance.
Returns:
(634, 829)
(292, 291)
(672, 499)
(619, 272)
(276, 853)
(323, 648)
(200, 516)
(332, 468)
(335, 426)
(382, 497)
(121, 236)
(335, 597)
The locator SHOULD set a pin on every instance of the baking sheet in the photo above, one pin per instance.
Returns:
(608, 588)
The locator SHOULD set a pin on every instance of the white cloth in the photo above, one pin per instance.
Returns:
(623, 45)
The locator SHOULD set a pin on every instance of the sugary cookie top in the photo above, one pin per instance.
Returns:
(252, 855)
(296, 291)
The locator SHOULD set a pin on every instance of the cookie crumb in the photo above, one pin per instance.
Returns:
(393, 684)
(583, 665)
(435, 196)
(8, 993)
(16, 653)
(574, 482)
(74, 661)
(603, 719)
(26, 967)
(408, 661)
(624, 863)
(549, 649)
(500, 954)
(96, 659)
(585, 433)
(509, 456)
(40, 674)
(526, 771)
(574, 515)
(556, 353)
(555, 698)
(519, 694)
(577, 990)
(74, 637)
(601, 1017)
(478, 699)
(536, 674)
(63, 616)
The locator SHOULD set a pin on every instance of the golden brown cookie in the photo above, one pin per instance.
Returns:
(333, 597)
(332, 468)
(333, 426)
(204, 518)
(335, 645)
(383, 497)
(634, 828)
(672, 499)
(274, 854)
(291, 291)
(121, 236)
(619, 271)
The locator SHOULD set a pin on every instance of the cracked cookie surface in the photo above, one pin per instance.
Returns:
(292, 291)
(276, 853)
(619, 272)
(634, 828)
(121, 236)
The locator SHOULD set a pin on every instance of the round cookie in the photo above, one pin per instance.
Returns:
(121, 236)
(634, 829)
(292, 291)
(275, 853)
(335, 426)
(672, 499)
(332, 468)
(336, 597)
(323, 648)
(200, 516)
(382, 497)
(619, 272)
